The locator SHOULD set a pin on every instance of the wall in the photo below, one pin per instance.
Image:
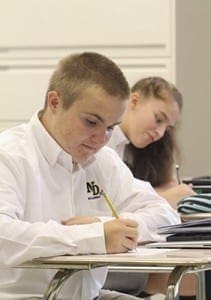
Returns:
(35, 34)
(193, 77)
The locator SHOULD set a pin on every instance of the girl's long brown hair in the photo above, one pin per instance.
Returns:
(155, 162)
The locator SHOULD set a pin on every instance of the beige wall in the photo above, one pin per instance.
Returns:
(131, 33)
(193, 77)
(142, 47)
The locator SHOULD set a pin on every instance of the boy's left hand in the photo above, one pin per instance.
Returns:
(79, 220)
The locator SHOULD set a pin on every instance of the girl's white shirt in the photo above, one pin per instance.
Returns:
(118, 141)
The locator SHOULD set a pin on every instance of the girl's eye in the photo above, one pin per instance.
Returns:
(159, 119)
(170, 128)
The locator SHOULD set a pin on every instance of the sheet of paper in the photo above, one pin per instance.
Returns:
(142, 251)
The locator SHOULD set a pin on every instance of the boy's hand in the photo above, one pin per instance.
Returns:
(120, 235)
(79, 220)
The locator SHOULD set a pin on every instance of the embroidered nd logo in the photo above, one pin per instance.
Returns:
(93, 189)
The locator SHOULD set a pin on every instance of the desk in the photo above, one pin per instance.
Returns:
(176, 261)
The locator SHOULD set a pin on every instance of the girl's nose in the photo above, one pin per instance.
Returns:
(160, 131)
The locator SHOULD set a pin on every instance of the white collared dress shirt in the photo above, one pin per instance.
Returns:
(40, 187)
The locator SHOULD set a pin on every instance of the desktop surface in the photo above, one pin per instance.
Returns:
(141, 257)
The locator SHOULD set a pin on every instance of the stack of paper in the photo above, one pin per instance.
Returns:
(188, 231)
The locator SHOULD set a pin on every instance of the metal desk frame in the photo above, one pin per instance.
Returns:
(176, 266)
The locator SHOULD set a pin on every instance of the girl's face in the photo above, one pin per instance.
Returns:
(146, 119)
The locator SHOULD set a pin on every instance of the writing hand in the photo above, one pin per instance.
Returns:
(120, 235)
(175, 194)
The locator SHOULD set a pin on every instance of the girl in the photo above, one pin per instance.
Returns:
(146, 139)
(146, 142)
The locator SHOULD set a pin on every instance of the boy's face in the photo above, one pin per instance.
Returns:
(87, 124)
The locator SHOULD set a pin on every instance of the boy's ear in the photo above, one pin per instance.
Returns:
(53, 100)
(134, 99)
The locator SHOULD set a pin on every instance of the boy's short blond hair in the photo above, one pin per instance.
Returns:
(77, 72)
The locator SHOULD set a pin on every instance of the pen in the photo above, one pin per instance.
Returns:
(178, 174)
(110, 204)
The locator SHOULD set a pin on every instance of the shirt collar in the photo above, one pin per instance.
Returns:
(48, 146)
(51, 149)
(118, 138)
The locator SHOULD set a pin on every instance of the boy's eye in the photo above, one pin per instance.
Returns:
(110, 128)
(91, 122)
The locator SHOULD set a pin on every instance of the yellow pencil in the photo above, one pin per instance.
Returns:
(179, 181)
(110, 204)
